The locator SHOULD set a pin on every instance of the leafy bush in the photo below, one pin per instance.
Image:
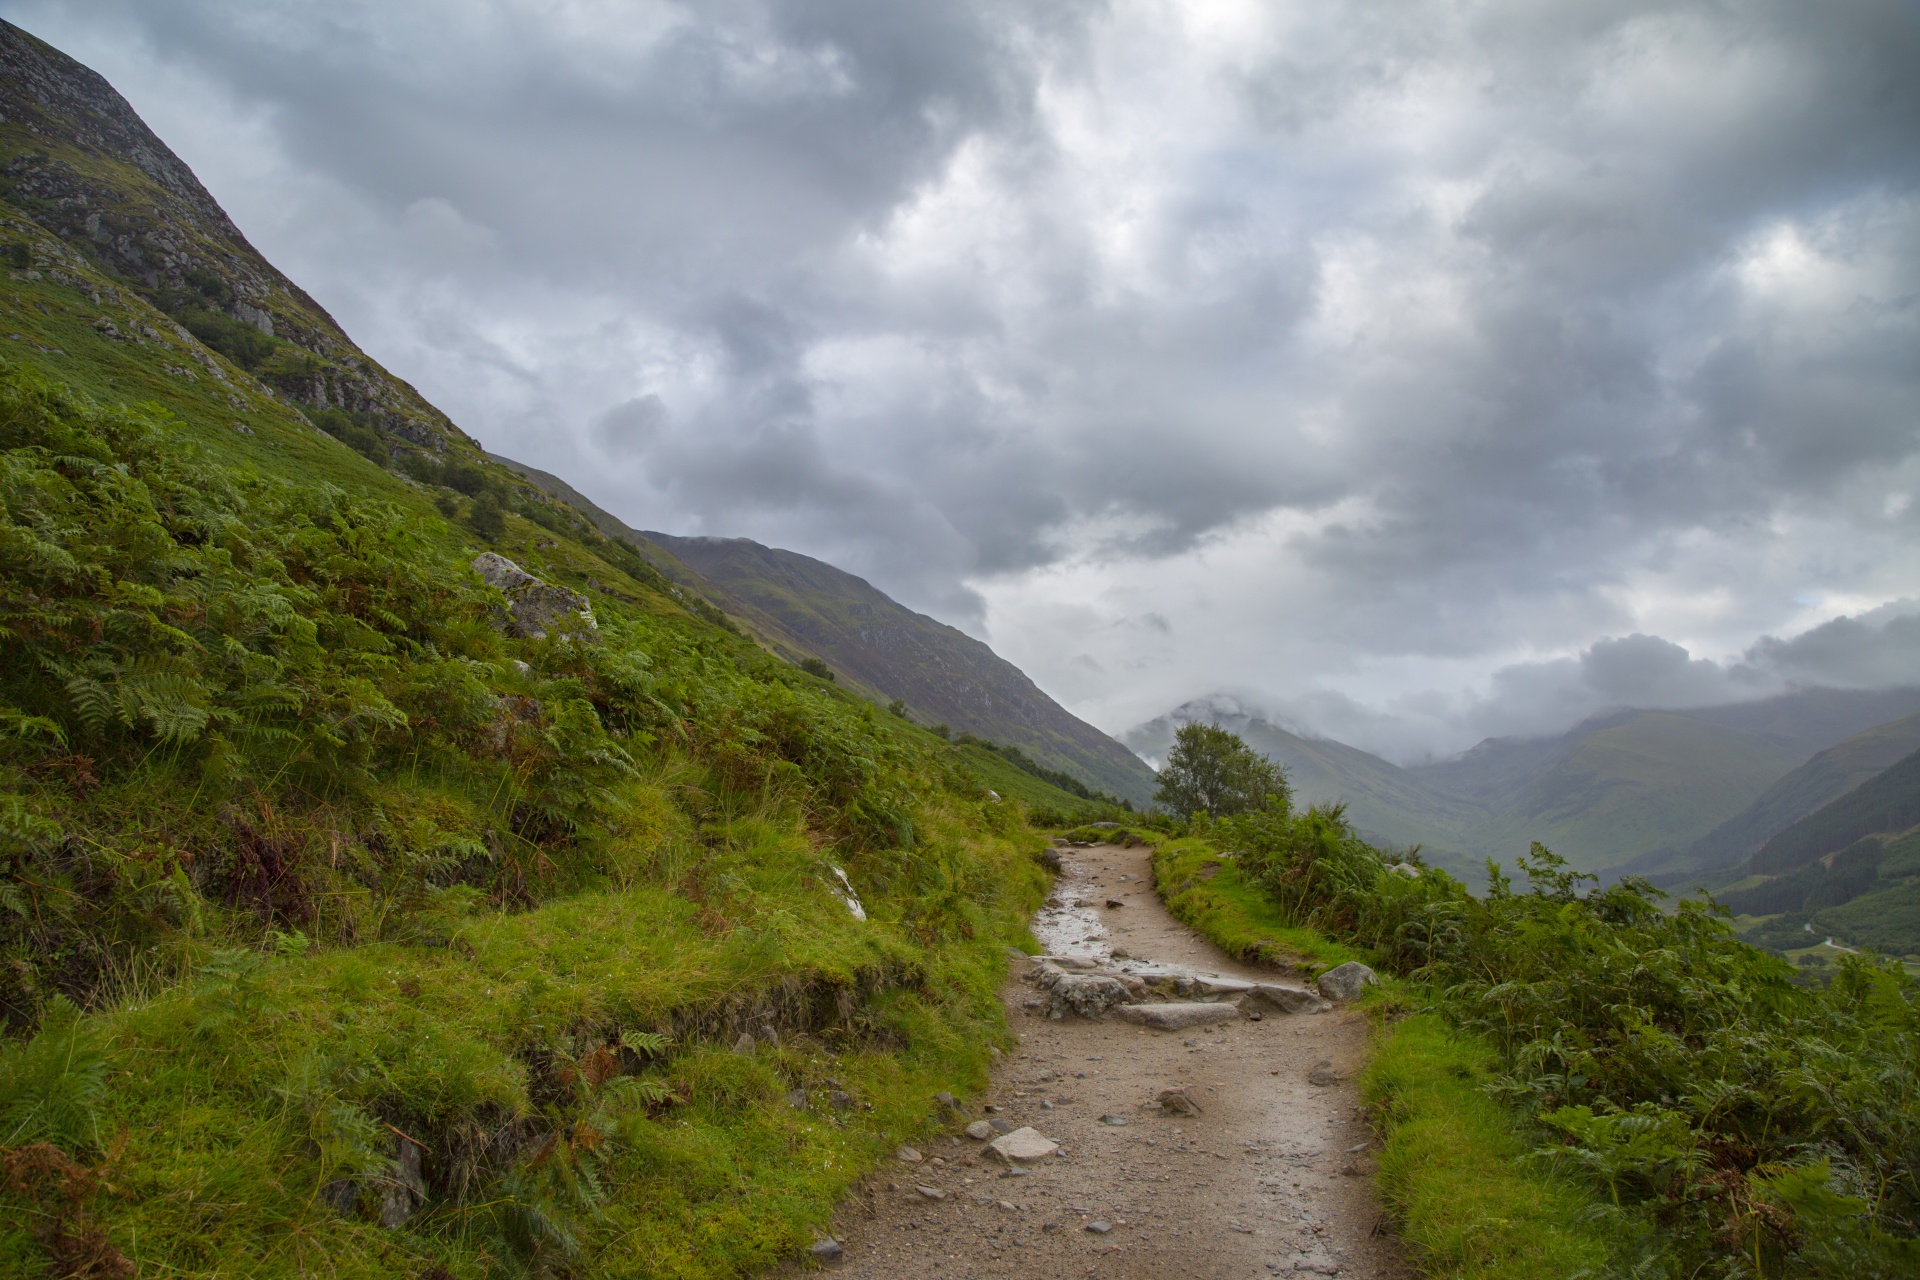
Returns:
(1739, 1123)
(356, 431)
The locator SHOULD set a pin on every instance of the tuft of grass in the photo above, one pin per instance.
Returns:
(1453, 1173)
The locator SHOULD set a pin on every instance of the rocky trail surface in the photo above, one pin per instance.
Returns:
(1256, 1164)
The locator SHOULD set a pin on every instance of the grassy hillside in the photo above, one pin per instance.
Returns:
(1888, 802)
(349, 926)
(1827, 776)
(1657, 777)
(1849, 870)
(943, 675)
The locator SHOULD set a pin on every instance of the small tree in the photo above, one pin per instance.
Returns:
(1213, 770)
(487, 518)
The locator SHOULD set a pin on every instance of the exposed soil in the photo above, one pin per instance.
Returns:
(1272, 1177)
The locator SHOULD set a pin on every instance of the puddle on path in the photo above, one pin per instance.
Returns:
(1074, 928)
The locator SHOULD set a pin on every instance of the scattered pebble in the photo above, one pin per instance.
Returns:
(979, 1130)
(932, 1193)
(1099, 1226)
(907, 1155)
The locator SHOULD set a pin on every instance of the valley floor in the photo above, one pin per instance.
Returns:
(1272, 1178)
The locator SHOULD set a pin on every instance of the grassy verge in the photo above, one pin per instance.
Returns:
(245, 1113)
(1451, 1175)
(1206, 891)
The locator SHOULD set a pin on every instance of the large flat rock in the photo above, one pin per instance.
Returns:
(1279, 999)
(1178, 1017)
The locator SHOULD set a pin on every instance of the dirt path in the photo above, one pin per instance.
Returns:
(1269, 1179)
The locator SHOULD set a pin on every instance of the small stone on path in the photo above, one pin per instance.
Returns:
(1322, 1074)
(1023, 1144)
(931, 1193)
(980, 1130)
(826, 1250)
(1099, 1226)
(907, 1155)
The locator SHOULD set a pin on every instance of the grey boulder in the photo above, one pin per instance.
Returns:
(1346, 981)
(1086, 995)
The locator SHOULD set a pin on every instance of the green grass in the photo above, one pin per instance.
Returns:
(1452, 1172)
(1206, 891)
(1450, 1177)
(240, 1096)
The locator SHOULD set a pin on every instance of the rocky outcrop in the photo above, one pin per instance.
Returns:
(535, 605)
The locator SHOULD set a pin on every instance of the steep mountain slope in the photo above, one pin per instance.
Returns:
(1655, 777)
(802, 607)
(1850, 869)
(1886, 803)
(941, 673)
(1603, 793)
(356, 920)
(1827, 776)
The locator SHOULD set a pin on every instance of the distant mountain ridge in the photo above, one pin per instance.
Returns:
(942, 674)
(1619, 792)
(803, 607)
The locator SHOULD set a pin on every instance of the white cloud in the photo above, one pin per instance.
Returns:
(1390, 356)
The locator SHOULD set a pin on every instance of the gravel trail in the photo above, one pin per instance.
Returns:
(1271, 1178)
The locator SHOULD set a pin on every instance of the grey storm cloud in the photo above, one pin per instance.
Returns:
(1388, 354)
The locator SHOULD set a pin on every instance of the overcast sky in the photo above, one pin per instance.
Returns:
(1415, 371)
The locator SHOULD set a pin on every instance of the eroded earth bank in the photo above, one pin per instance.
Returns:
(1269, 1177)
